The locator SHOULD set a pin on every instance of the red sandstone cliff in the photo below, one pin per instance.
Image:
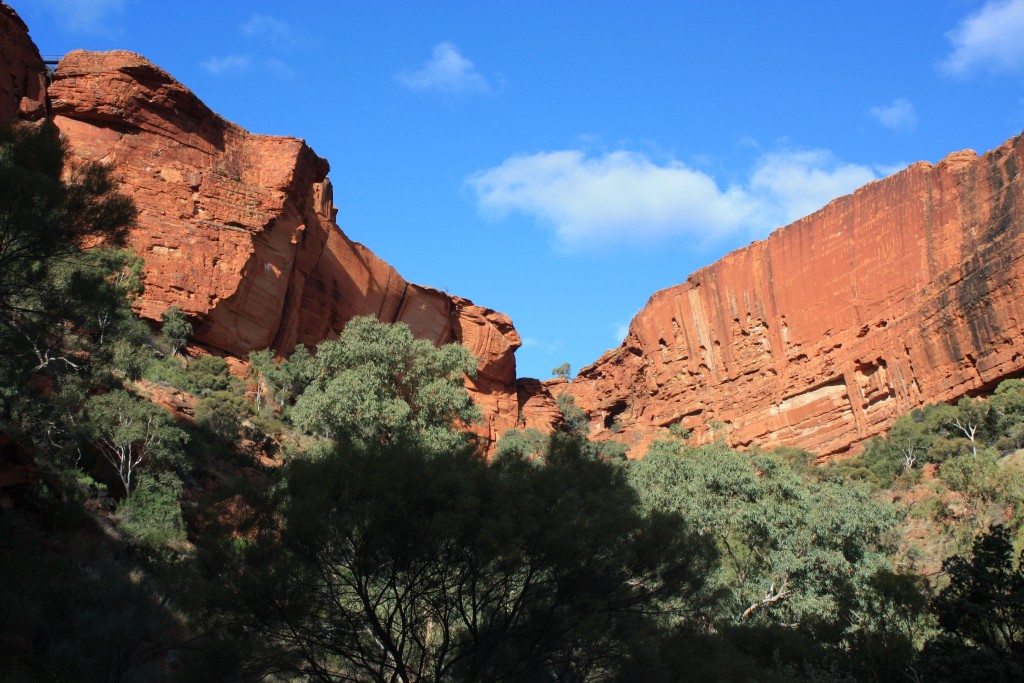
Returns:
(238, 229)
(908, 291)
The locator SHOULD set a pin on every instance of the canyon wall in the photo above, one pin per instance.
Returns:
(237, 229)
(908, 291)
(22, 72)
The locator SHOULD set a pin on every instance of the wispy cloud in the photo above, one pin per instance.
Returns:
(85, 16)
(991, 39)
(622, 196)
(227, 64)
(899, 115)
(446, 71)
(791, 184)
(546, 347)
(281, 69)
(268, 28)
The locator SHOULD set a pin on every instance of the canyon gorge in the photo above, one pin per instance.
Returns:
(908, 291)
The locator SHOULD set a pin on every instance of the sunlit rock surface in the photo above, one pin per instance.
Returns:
(908, 291)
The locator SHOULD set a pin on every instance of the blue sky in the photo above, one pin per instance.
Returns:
(562, 161)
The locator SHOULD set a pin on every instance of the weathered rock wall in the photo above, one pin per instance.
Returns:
(910, 290)
(22, 72)
(238, 229)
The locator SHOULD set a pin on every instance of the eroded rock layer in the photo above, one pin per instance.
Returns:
(238, 229)
(910, 290)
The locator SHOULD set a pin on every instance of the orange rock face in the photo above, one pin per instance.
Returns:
(238, 229)
(909, 291)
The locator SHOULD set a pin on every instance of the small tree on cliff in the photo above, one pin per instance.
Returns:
(378, 384)
(130, 433)
(564, 371)
(176, 329)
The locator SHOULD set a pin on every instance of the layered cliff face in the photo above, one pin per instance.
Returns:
(238, 229)
(910, 290)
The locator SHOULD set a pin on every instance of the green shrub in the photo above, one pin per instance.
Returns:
(207, 374)
(151, 516)
(221, 413)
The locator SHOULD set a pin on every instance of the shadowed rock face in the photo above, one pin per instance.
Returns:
(22, 73)
(909, 291)
(238, 229)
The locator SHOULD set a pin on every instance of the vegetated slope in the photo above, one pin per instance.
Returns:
(908, 291)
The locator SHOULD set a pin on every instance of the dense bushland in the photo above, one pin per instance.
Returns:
(329, 518)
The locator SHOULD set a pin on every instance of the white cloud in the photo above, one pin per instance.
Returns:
(268, 28)
(898, 115)
(991, 39)
(789, 185)
(446, 71)
(538, 345)
(596, 199)
(227, 64)
(85, 16)
(625, 197)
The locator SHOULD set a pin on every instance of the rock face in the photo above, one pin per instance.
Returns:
(238, 229)
(22, 72)
(909, 291)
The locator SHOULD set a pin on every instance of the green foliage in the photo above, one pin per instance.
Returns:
(378, 384)
(262, 366)
(221, 413)
(151, 516)
(1008, 414)
(73, 608)
(207, 374)
(609, 451)
(130, 352)
(981, 614)
(574, 419)
(54, 298)
(563, 371)
(395, 561)
(130, 434)
(176, 329)
(280, 382)
(793, 549)
(201, 377)
(526, 444)
(984, 480)
(678, 431)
